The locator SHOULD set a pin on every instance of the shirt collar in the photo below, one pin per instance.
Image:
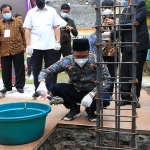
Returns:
(12, 19)
(45, 8)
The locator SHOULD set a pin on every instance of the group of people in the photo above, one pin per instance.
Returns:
(45, 35)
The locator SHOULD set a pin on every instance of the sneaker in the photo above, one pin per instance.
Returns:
(123, 103)
(90, 114)
(138, 105)
(35, 95)
(73, 113)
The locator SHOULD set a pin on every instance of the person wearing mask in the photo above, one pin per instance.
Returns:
(42, 33)
(143, 39)
(12, 45)
(81, 69)
(70, 28)
(108, 51)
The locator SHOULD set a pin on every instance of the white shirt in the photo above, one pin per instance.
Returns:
(42, 23)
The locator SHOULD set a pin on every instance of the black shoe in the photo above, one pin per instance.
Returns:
(90, 114)
(35, 94)
(73, 113)
(5, 90)
(20, 90)
(123, 103)
(138, 105)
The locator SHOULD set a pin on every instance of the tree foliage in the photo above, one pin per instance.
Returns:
(148, 4)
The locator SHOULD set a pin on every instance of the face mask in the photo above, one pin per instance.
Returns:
(64, 15)
(7, 16)
(107, 12)
(124, 3)
(81, 61)
(40, 3)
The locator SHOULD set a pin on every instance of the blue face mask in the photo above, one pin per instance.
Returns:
(7, 16)
(124, 3)
(64, 15)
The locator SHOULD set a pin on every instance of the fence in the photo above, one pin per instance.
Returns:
(117, 117)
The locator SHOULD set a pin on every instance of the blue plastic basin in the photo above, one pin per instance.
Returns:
(22, 122)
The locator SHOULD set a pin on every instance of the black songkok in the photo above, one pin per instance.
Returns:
(80, 45)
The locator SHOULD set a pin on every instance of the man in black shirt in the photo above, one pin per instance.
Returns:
(142, 47)
(70, 28)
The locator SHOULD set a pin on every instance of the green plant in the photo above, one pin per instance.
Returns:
(148, 4)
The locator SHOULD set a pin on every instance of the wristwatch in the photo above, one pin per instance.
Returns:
(58, 41)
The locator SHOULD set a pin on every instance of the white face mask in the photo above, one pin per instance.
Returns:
(107, 12)
(81, 61)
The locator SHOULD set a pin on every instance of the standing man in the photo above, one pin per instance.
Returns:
(12, 45)
(70, 28)
(42, 35)
(81, 69)
(143, 39)
(108, 50)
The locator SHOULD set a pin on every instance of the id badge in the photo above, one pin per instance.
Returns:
(6, 33)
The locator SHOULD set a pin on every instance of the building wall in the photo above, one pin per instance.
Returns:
(83, 15)
(18, 6)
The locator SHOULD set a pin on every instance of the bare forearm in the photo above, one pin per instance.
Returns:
(27, 36)
(57, 33)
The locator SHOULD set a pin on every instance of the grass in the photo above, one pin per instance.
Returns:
(62, 78)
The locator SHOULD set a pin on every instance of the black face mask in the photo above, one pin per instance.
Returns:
(40, 3)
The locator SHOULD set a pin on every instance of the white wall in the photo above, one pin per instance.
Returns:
(18, 6)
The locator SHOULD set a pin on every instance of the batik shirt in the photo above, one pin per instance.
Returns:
(16, 42)
(83, 78)
(107, 45)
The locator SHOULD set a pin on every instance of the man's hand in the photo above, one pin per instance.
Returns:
(108, 21)
(42, 90)
(29, 50)
(57, 46)
(112, 52)
(87, 100)
(69, 28)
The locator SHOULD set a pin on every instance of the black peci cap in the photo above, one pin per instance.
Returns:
(80, 45)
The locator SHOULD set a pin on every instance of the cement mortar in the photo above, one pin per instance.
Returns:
(84, 139)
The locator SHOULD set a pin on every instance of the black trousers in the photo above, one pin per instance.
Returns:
(126, 71)
(49, 59)
(111, 69)
(18, 61)
(71, 96)
(65, 51)
(29, 65)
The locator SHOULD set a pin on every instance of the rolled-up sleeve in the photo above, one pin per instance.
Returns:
(56, 19)
(54, 69)
(28, 21)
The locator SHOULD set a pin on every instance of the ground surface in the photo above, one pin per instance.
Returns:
(147, 89)
(84, 139)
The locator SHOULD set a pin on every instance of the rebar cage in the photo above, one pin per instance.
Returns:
(117, 118)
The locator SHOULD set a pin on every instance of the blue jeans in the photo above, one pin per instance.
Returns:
(71, 96)
(49, 59)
